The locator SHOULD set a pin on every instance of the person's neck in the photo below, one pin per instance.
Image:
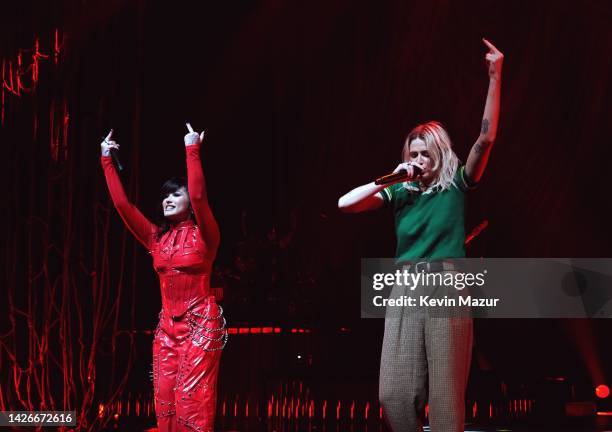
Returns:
(182, 222)
(424, 184)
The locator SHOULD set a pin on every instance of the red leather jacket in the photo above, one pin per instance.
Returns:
(184, 255)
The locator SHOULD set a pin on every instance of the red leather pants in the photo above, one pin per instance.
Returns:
(186, 354)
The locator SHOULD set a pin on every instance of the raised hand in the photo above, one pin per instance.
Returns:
(494, 59)
(108, 144)
(193, 138)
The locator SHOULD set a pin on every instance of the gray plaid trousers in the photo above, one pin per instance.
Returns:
(424, 360)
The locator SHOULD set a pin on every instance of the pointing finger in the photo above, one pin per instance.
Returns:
(189, 127)
(108, 137)
(202, 136)
(489, 45)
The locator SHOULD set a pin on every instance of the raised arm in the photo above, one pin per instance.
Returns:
(479, 154)
(197, 192)
(367, 197)
(136, 222)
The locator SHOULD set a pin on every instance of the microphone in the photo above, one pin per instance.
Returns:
(115, 155)
(392, 178)
(476, 231)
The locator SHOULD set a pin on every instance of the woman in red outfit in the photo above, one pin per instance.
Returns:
(191, 331)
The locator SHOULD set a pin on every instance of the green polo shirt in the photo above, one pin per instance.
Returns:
(429, 225)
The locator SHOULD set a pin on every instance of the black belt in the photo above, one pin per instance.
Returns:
(430, 267)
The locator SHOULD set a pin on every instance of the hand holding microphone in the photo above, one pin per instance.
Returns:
(405, 171)
(111, 148)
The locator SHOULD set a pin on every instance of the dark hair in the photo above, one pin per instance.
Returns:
(170, 186)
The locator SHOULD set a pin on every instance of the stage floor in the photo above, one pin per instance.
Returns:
(598, 424)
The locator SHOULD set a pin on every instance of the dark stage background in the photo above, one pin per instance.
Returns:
(301, 102)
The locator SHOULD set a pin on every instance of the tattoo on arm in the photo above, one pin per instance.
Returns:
(485, 126)
(481, 146)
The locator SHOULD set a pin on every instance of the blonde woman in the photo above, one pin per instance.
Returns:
(426, 360)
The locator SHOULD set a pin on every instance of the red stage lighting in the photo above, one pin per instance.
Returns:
(602, 391)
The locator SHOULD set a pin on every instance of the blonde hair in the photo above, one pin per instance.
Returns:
(445, 161)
